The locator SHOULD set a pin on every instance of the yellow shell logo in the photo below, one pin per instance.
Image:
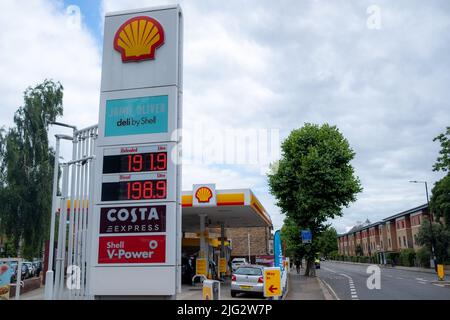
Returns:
(203, 194)
(138, 38)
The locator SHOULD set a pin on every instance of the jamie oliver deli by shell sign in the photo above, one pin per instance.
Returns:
(137, 215)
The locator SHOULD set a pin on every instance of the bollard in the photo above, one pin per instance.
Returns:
(49, 285)
(211, 290)
(440, 272)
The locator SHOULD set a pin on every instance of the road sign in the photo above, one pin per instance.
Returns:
(306, 236)
(272, 282)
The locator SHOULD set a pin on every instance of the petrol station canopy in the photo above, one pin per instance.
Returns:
(232, 207)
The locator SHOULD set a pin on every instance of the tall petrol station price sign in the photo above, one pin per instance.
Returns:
(136, 227)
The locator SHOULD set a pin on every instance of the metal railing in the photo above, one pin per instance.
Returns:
(70, 280)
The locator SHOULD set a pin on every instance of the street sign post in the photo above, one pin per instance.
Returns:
(306, 236)
(136, 223)
(272, 282)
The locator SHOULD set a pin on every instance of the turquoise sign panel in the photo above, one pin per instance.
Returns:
(143, 115)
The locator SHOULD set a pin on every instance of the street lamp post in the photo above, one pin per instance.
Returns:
(49, 277)
(433, 258)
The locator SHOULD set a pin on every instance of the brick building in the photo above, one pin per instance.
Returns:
(258, 238)
(392, 234)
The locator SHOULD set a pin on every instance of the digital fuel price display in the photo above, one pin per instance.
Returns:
(134, 173)
(138, 162)
(134, 190)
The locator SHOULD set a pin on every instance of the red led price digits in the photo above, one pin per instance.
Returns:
(134, 163)
(147, 162)
(150, 189)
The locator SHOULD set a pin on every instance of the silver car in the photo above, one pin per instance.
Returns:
(249, 279)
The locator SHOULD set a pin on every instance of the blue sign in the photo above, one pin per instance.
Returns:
(143, 115)
(277, 250)
(306, 236)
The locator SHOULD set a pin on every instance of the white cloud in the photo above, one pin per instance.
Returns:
(254, 64)
(39, 43)
(278, 65)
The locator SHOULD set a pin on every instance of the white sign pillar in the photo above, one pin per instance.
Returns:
(136, 223)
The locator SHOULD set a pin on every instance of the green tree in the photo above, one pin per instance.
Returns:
(290, 235)
(314, 180)
(441, 240)
(440, 194)
(443, 160)
(440, 200)
(327, 242)
(27, 169)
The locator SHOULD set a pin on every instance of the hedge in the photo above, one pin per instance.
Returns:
(407, 257)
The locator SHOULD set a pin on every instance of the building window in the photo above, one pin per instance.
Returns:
(399, 241)
(415, 239)
(389, 242)
(404, 241)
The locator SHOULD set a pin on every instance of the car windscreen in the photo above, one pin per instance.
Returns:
(249, 271)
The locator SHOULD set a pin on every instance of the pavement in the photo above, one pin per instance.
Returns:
(195, 293)
(306, 288)
(37, 294)
(350, 282)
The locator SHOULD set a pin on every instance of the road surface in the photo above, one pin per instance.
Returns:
(349, 282)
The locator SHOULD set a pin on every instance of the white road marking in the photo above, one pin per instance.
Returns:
(353, 293)
(421, 282)
(331, 289)
(399, 278)
(329, 269)
(421, 279)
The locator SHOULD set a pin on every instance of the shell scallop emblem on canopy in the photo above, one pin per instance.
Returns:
(203, 194)
(138, 38)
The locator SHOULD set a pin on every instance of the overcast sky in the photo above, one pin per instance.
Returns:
(269, 65)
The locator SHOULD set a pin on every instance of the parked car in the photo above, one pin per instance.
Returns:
(24, 273)
(30, 269)
(237, 262)
(249, 279)
(37, 267)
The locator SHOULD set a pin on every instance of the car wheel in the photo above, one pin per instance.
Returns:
(233, 293)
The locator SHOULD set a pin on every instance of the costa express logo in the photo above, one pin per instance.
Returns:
(138, 38)
(133, 219)
(203, 194)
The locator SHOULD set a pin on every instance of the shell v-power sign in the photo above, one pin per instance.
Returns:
(136, 227)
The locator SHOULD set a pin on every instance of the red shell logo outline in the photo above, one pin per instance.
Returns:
(138, 38)
(204, 195)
